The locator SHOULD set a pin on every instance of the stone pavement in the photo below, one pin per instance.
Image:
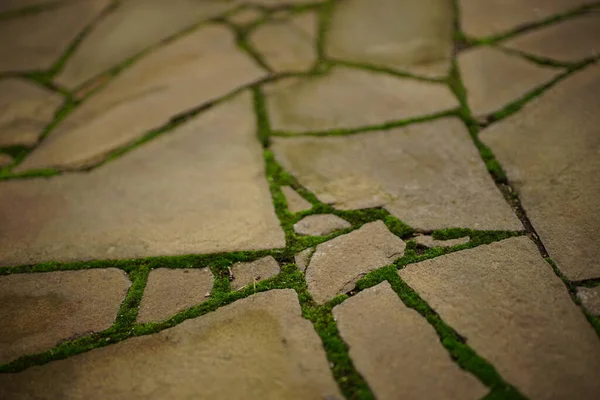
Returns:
(299, 199)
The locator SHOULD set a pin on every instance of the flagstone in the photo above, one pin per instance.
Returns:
(320, 225)
(429, 241)
(590, 299)
(248, 273)
(295, 202)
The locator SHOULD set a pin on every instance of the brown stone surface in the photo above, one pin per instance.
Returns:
(397, 351)
(295, 202)
(5, 160)
(277, 3)
(320, 225)
(256, 348)
(152, 201)
(11, 5)
(429, 175)
(55, 29)
(590, 299)
(429, 241)
(245, 16)
(302, 259)
(245, 274)
(516, 313)
(170, 291)
(414, 35)
(39, 310)
(351, 98)
(494, 79)
(336, 265)
(550, 152)
(26, 110)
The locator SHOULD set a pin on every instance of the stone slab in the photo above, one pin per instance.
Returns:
(245, 274)
(517, 314)
(320, 225)
(5, 160)
(590, 298)
(295, 202)
(302, 259)
(245, 16)
(12, 5)
(429, 241)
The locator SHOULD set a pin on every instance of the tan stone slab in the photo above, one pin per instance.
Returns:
(494, 17)
(55, 29)
(39, 310)
(288, 46)
(276, 3)
(494, 79)
(590, 298)
(302, 259)
(198, 189)
(245, 16)
(134, 26)
(397, 351)
(568, 41)
(5, 160)
(26, 110)
(414, 35)
(429, 241)
(11, 5)
(429, 175)
(170, 291)
(336, 265)
(295, 202)
(351, 98)
(256, 348)
(516, 313)
(550, 152)
(320, 225)
(248, 273)
(193, 70)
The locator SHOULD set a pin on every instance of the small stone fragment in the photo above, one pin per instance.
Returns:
(302, 259)
(590, 299)
(5, 160)
(295, 202)
(381, 331)
(245, 16)
(429, 241)
(320, 225)
(245, 274)
(170, 291)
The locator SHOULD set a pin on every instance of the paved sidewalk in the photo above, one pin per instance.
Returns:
(299, 199)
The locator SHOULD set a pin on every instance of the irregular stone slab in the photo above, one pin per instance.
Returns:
(351, 98)
(429, 175)
(590, 298)
(295, 202)
(303, 258)
(568, 41)
(10, 5)
(414, 35)
(55, 29)
(516, 313)
(288, 46)
(381, 330)
(26, 110)
(320, 225)
(152, 201)
(245, 274)
(494, 79)
(336, 265)
(278, 3)
(39, 310)
(189, 72)
(5, 160)
(256, 348)
(245, 16)
(556, 175)
(429, 241)
(170, 291)
(495, 17)
(134, 26)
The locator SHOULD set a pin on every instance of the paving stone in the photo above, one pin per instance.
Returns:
(381, 331)
(295, 202)
(429, 175)
(569, 41)
(494, 79)
(351, 98)
(136, 25)
(320, 225)
(302, 259)
(256, 348)
(255, 271)
(245, 16)
(170, 291)
(278, 3)
(556, 174)
(517, 314)
(495, 17)
(590, 298)
(288, 46)
(429, 241)
(5, 160)
(12, 5)
(26, 110)
(39, 310)
(414, 35)
(336, 265)
(152, 201)
(55, 29)
(193, 70)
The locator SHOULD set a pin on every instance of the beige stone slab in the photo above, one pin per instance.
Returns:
(40, 310)
(55, 29)
(397, 351)
(429, 241)
(429, 175)
(517, 314)
(550, 151)
(26, 110)
(295, 202)
(248, 273)
(302, 259)
(413, 35)
(336, 265)
(134, 26)
(320, 225)
(494, 17)
(245, 16)
(198, 189)
(277, 3)
(5, 160)
(590, 298)
(256, 348)
(351, 98)
(170, 291)
(494, 79)
(195, 69)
